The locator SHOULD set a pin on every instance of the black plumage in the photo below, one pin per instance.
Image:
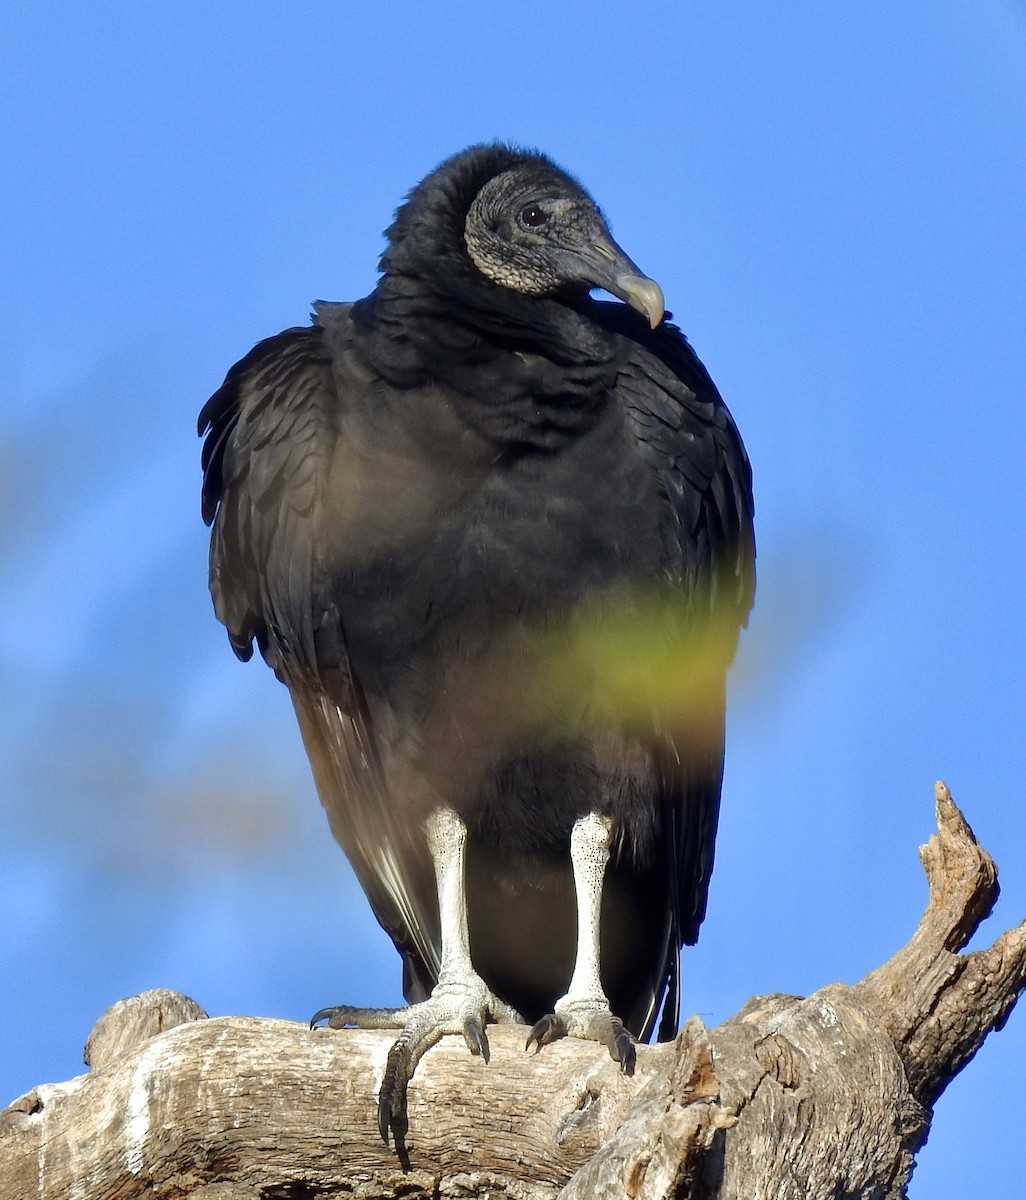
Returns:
(423, 505)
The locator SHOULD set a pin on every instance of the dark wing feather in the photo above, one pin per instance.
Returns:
(689, 439)
(394, 868)
(271, 435)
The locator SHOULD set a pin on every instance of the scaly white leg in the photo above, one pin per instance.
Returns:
(589, 854)
(447, 840)
(584, 1010)
(460, 1002)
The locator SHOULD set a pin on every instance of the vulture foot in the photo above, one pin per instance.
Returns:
(591, 1021)
(465, 1007)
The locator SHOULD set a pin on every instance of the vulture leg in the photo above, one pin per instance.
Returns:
(460, 1002)
(584, 1011)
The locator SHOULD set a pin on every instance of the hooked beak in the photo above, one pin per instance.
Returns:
(607, 267)
(641, 293)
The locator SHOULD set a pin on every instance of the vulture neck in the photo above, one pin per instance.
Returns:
(522, 369)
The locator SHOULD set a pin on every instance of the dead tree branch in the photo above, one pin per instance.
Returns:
(791, 1098)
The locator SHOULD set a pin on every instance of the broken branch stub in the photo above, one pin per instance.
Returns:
(937, 1005)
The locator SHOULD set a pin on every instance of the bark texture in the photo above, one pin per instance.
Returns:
(826, 1096)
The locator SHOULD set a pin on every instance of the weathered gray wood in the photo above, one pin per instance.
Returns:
(661, 1148)
(939, 1005)
(791, 1098)
(128, 1022)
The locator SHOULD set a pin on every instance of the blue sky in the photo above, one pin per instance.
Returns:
(832, 199)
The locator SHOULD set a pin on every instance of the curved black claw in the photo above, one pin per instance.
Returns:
(474, 1036)
(392, 1094)
(337, 1016)
(549, 1029)
(621, 1047)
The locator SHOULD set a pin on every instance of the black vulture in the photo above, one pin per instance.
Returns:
(454, 517)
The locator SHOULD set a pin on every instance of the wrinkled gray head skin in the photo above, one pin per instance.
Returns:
(538, 233)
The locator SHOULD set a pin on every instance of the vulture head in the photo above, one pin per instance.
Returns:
(516, 220)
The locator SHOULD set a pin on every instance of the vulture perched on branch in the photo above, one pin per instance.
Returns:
(495, 536)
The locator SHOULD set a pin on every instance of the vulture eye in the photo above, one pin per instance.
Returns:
(533, 215)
